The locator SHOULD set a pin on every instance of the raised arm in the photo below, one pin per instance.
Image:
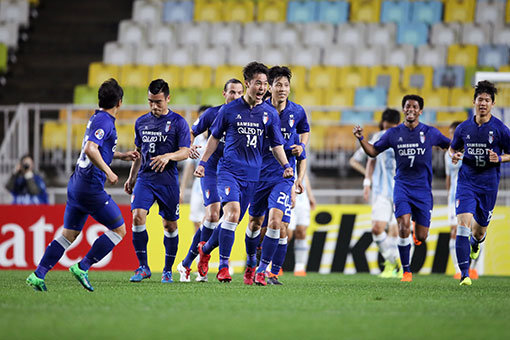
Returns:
(369, 149)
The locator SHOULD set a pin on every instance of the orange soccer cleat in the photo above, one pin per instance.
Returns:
(473, 273)
(457, 276)
(300, 273)
(408, 277)
(416, 242)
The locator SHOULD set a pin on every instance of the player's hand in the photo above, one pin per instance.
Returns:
(193, 152)
(493, 157)
(299, 188)
(288, 173)
(112, 178)
(130, 156)
(357, 131)
(159, 163)
(129, 185)
(297, 150)
(199, 171)
(366, 193)
(456, 157)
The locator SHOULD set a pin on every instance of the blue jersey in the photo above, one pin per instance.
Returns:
(413, 152)
(476, 170)
(293, 122)
(245, 129)
(384, 170)
(202, 124)
(100, 130)
(157, 136)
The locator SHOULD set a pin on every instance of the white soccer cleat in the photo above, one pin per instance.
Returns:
(201, 278)
(184, 272)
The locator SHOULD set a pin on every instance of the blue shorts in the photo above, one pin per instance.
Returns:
(99, 205)
(418, 203)
(167, 196)
(479, 203)
(269, 195)
(209, 184)
(230, 189)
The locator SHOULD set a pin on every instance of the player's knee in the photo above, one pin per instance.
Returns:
(377, 229)
(138, 219)
(213, 216)
(70, 234)
(121, 231)
(274, 223)
(300, 233)
(478, 234)
(170, 226)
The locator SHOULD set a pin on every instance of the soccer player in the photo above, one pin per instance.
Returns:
(272, 192)
(246, 122)
(162, 137)
(412, 143)
(378, 183)
(86, 195)
(486, 144)
(232, 90)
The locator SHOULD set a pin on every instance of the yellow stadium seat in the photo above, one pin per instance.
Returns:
(199, 77)
(437, 97)
(225, 72)
(507, 16)
(353, 76)
(396, 94)
(385, 76)
(461, 97)
(125, 137)
(170, 73)
(340, 137)
(317, 137)
(208, 10)
(446, 118)
(54, 135)
(298, 80)
(99, 72)
(326, 116)
(505, 68)
(365, 10)
(131, 114)
(322, 77)
(459, 10)
(135, 75)
(75, 114)
(242, 11)
(343, 97)
(306, 97)
(271, 10)
(78, 132)
(418, 77)
(465, 55)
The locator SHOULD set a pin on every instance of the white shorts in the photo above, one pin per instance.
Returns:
(196, 203)
(382, 209)
(300, 215)
(452, 215)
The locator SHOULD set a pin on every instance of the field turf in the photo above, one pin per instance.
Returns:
(319, 306)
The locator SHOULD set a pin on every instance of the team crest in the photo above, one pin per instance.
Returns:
(491, 137)
(207, 193)
(168, 125)
(132, 198)
(227, 190)
(265, 118)
(291, 120)
(457, 202)
(422, 137)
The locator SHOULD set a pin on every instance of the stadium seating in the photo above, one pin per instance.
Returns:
(430, 55)
(181, 56)
(131, 32)
(385, 76)
(333, 12)
(306, 97)
(99, 72)
(178, 11)
(301, 11)
(460, 97)
(417, 77)
(437, 97)
(444, 34)
(381, 34)
(395, 11)
(353, 34)
(170, 73)
(135, 95)
(199, 77)
(337, 56)
(224, 34)
(116, 53)
(365, 11)
(370, 97)
(150, 54)
(15, 11)
(475, 34)
(318, 35)
(304, 56)
(147, 11)
(3, 57)
(490, 11)
(85, 95)
(212, 56)
(134, 75)
(399, 55)
(428, 12)
(353, 77)
(184, 96)
(343, 97)
(212, 96)
(9, 34)
(493, 55)
(208, 10)
(239, 11)
(125, 137)
(448, 76)
(271, 10)
(415, 33)
(459, 10)
(449, 117)
(163, 34)
(322, 77)
(470, 71)
(225, 72)
(465, 55)
(54, 135)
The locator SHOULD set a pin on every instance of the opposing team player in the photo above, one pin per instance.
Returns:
(162, 137)
(272, 192)
(232, 90)
(412, 143)
(246, 122)
(486, 144)
(86, 195)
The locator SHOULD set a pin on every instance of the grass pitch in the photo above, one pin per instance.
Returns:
(319, 306)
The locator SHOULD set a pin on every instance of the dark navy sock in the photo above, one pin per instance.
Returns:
(279, 257)
(51, 256)
(193, 251)
(404, 249)
(140, 240)
(102, 246)
(462, 248)
(251, 248)
(269, 245)
(213, 241)
(171, 241)
(226, 240)
(207, 230)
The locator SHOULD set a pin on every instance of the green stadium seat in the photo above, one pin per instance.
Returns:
(125, 137)
(4, 56)
(134, 95)
(184, 97)
(470, 71)
(212, 96)
(85, 95)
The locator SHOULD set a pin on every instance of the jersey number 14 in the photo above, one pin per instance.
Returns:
(251, 141)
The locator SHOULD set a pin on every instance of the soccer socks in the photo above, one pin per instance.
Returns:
(102, 246)
(140, 240)
(404, 248)
(269, 245)
(475, 243)
(251, 240)
(213, 241)
(279, 256)
(301, 254)
(52, 255)
(171, 240)
(386, 246)
(453, 254)
(463, 249)
(207, 230)
(193, 251)
(226, 240)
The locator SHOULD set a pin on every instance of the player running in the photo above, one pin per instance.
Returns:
(485, 141)
(412, 143)
(246, 122)
(232, 90)
(162, 137)
(86, 195)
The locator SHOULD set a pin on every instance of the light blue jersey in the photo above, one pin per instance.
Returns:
(383, 178)
(451, 170)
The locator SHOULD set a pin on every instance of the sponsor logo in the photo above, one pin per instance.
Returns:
(99, 134)
(422, 137)
(227, 190)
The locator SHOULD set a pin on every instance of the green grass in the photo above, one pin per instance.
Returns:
(318, 306)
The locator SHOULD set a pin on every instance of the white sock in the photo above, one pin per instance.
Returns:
(453, 254)
(301, 254)
(386, 247)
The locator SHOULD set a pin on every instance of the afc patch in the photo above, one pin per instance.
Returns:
(99, 134)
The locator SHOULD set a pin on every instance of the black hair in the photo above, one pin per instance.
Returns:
(202, 108)
(254, 68)
(485, 86)
(412, 97)
(109, 94)
(454, 125)
(391, 116)
(231, 81)
(277, 72)
(159, 85)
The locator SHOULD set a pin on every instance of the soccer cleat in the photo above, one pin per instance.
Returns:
(407, 277)
(416, 241)
(36, 283)
(201, 278)
(260, 279)
(273, 280)
(457, 276)
(203, 262)
(82, 276)
(300, 273)
(473, 274)
(184, 272)
(466, 281)
(249, 275)
(223, 275)
(474, 252)
(166, 277)
(400, 272)
(141, 273)
(390, 270)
